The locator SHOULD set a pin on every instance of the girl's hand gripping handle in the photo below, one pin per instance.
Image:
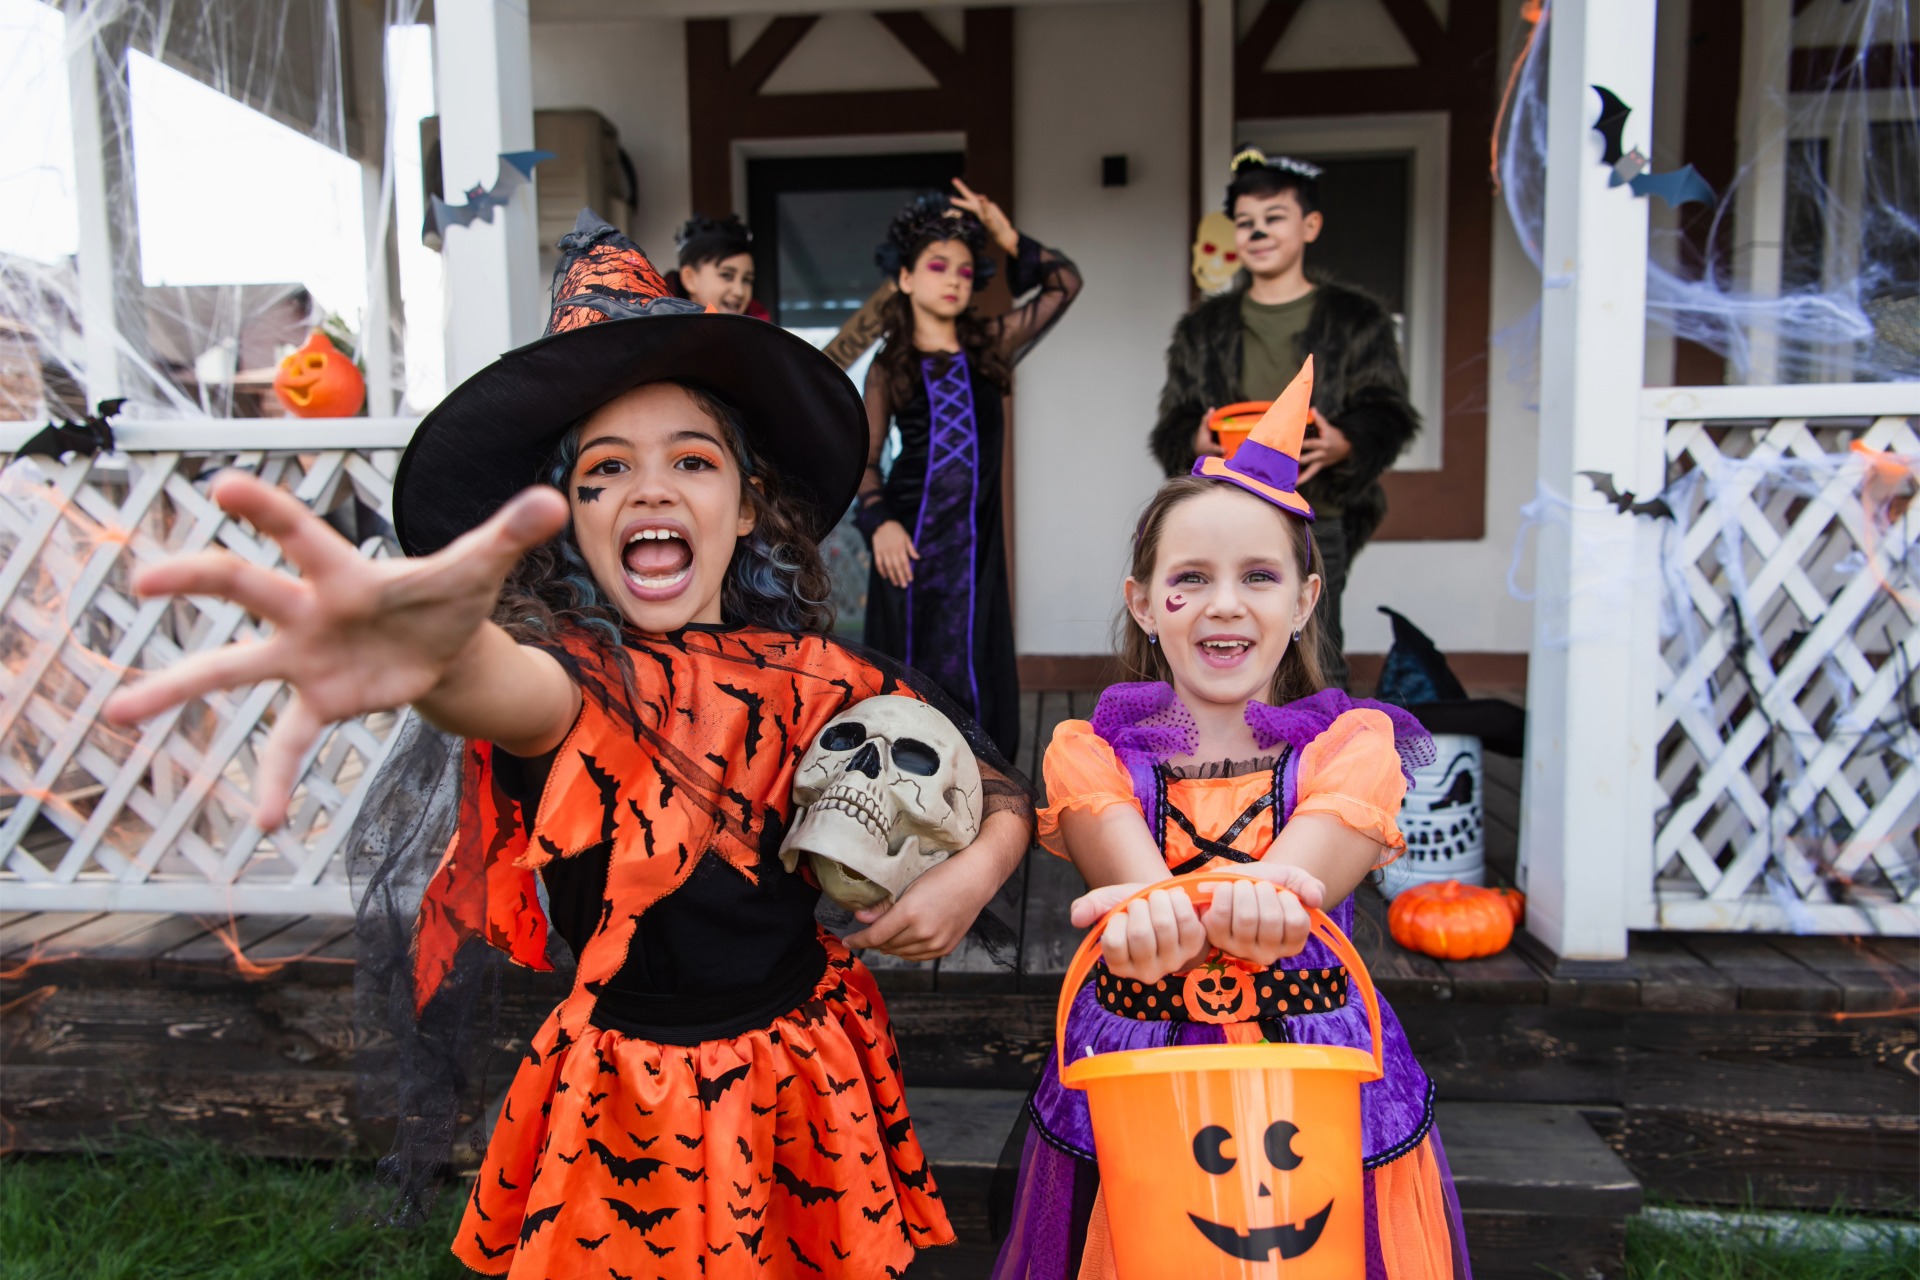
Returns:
(350, 635)
(1321, 927)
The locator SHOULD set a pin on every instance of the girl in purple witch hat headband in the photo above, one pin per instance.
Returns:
(1228, 752)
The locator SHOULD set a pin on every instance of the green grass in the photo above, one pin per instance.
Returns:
(1666, 1250)
(173, 1211)
(193, 1211)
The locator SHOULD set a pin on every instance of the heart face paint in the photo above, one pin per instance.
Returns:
(587, 492)
(1175, 603)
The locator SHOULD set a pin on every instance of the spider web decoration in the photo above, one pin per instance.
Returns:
(158, 816)
(1788, 768)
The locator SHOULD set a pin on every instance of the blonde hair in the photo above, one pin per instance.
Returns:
(1300, 673)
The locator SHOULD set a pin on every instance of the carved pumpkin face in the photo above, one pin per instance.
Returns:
(1216, 1152)
(1219, 993)
(317, 381)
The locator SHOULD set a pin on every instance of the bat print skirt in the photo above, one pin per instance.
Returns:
(783, 1151)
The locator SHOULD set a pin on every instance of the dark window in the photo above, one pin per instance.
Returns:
(1366, 204)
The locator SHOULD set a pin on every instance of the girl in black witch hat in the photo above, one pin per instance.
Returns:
(938, 595)
(634, 652)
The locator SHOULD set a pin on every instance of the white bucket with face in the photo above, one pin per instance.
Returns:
(1443, 819)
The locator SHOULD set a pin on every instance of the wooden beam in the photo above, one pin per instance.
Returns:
(757, 65)
(1422, 30)
(1346, 92)
(1263, 37)
(928, 47)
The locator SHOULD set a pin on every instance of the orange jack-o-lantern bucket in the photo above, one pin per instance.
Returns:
(1229, 1161)
(1235, 422)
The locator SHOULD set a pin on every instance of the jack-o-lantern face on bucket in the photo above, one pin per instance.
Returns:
(317, 381)
(1215, 1151)
(1219, 993)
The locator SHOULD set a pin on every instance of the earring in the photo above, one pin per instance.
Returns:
(1296, 637)
(1153, 637)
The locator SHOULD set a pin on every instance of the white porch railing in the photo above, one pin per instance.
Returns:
(156, 817)
(1787, 772)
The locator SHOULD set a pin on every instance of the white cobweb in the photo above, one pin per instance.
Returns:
(249, 153)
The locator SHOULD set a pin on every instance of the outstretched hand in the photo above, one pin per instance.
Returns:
(350, 635)
(1165, 932)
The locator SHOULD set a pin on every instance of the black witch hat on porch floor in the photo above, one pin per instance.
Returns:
(615, 326)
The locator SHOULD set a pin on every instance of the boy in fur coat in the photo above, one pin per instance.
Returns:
(1247, 343)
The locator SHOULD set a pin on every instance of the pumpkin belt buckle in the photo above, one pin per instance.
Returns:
(1220, 990)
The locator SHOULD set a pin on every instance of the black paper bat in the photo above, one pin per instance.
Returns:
(1613, 119)
(641, 1220)
(538, 1219)
(516, 170)
(1676, 186)
(1627, 503)
(621, 1168)
(805, 1192)
(87, 438)
(711, 1090)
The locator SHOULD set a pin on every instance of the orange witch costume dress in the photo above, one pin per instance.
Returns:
(1327, 755)
(719, 1093)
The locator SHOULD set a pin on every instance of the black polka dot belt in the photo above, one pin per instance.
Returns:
(1222, 991)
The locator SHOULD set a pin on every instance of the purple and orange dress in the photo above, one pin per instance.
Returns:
(1326, 754)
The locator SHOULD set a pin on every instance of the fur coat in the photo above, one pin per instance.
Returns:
(1358, 384)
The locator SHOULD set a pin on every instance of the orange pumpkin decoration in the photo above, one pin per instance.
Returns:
(1451, 921)
(1219, 992)
(318, 381)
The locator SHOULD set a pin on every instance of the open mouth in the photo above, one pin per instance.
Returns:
(658, 562)
(1256, 1243)
(1224, 651)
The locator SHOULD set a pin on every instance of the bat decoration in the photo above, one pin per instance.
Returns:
(481, 1245)
(1626, 503)
(1630, 167)
(516, 170)
(803, 1191)
(641, 1220)
(622, 1169)
(538, 1219)
(802, 1258)
(711, 1090)
(87, 438)
(1613, 119)
(1676, 186)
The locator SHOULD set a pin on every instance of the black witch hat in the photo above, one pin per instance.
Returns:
(616, 326)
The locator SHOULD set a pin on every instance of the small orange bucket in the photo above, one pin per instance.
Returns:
(1235, 422)
(1229, 1161)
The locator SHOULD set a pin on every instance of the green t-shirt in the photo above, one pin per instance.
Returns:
(1267, 359)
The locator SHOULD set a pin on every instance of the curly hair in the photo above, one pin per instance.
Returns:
(927, 220)
(1301, 672)
(776, 578)
(702, 239)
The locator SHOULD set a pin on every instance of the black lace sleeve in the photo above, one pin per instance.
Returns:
(1053, 281)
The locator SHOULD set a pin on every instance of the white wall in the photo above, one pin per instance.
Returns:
(1088, 82)
(635, 74)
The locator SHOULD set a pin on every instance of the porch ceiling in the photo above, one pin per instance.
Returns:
(623, 10)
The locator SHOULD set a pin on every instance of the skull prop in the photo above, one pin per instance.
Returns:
(1216, 259)
(890, 789)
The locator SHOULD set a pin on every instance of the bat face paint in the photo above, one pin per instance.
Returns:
(1175, 603)
(587, 492)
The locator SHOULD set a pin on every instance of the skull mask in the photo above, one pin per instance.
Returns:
(890, 789)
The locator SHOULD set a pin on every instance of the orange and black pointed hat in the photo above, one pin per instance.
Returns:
(1267, 463)
(615, 326)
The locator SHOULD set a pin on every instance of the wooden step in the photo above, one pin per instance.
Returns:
(1537, 1187)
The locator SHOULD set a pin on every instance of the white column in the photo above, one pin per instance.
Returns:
(484, 87)
(99, 318)
(1218, 35)
(376, 327)
(1760, 204)
(1584, 819)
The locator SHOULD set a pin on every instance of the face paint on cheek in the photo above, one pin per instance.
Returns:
(587, 492)
(1176, 603)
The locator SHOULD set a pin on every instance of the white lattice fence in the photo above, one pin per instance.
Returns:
(1788, 766)
(157, 817)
